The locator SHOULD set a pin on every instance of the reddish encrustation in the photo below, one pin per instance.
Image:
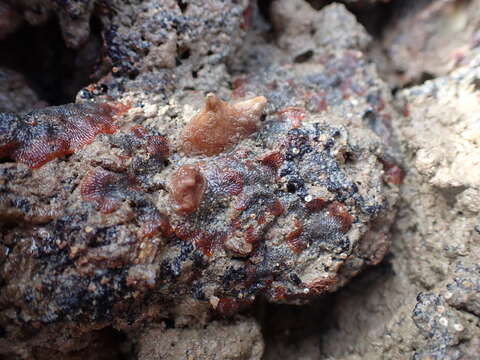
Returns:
(53, 132)
(293, 114)
(273, 160)
(316, 204)
(296, 244)
(156, 145)
(155, 224)
(340, 212)
(322, 285)
(228, 307)
(104, 188)
(394, 174)
(246, 17)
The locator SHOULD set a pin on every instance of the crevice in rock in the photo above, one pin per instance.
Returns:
(309, 326)
(421, 80)
(373, 17)
(55, 72)
(264, 9)
(183, 5)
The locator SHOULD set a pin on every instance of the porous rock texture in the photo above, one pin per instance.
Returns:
(129, 231)
(426, 39)
(16, 96)
(424, 303)
(73, 17)
(219, 340)
(132, 242)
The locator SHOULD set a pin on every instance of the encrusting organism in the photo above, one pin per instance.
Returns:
(43, 135)
(220, 125)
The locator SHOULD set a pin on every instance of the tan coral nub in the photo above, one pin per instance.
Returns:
(187, 186)
(220, 125)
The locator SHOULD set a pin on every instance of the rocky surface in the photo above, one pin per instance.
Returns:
(10, 20)
(423, 307)
(218, 340)
(73, 17)
(16, 95)
(146, 221)
(236, 161)
(426, 39)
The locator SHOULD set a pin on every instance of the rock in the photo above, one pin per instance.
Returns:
(240, 340)
(424, 304)
(431, 38)
(129, 230)
(303, 32)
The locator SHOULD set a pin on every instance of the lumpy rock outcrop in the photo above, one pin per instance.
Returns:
(164, 218)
